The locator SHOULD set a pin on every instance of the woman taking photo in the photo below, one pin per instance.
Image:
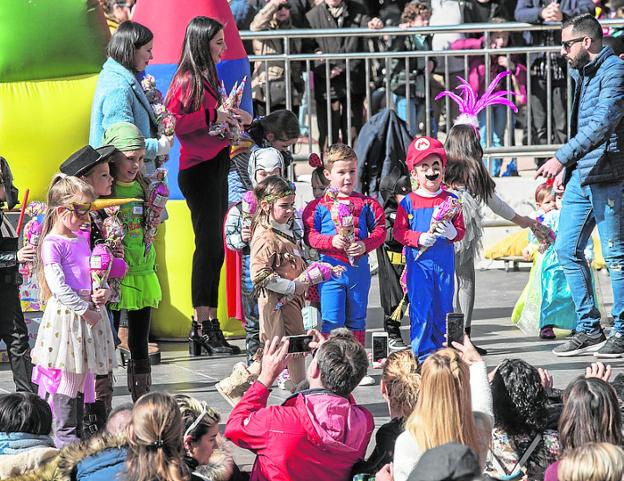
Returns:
(119, 96)
(204, 166)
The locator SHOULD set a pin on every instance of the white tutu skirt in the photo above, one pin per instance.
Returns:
(66, 342)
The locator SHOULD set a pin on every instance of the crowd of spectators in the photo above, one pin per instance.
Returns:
(450, 420)
(546, 72)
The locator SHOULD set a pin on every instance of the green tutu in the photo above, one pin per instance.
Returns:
(140, 287)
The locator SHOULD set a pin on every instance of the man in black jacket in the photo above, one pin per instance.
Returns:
(13, 330)
(340, 14)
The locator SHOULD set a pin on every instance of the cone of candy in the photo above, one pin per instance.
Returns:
(156, 199)
(447, 210)
(113, 232)
(32, 232)
(342, 214)
(228, 102)
(165, 120)
(248, 207)
(314, 274)
(318, 272)
(100, 264)
(545, 236)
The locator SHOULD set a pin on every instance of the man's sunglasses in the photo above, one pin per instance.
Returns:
(568, 43)
(284, 6)
(79, 208)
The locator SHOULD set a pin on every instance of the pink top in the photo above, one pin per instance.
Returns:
(72, 254)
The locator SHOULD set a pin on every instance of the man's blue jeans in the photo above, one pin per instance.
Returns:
(498, 125)
(583, 208)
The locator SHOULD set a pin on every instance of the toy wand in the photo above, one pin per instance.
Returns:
(22, 212)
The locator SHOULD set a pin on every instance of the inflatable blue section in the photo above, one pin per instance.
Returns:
(230, 71)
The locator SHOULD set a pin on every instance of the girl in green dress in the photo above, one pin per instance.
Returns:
(140, 289)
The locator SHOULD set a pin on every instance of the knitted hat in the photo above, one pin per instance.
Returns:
(267, 159)
(124, 136)
(421, 148)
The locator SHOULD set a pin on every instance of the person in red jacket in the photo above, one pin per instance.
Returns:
(204, 164)
(317, 434)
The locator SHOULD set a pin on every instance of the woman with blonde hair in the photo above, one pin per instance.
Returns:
(593, 462)
(454, 405)
(156, 451)
(400, 385)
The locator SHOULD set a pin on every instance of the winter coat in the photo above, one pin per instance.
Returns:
(119, 97)
(99, 458)
(315, 435)
(382, 143)
(446, 12)
(24, 452)
(417, 66)
(528, 11)
(354, 16)
(476, 71)
(596, 146)
(276, 72)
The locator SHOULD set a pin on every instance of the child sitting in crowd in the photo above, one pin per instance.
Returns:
(430, 255)
(344, 226)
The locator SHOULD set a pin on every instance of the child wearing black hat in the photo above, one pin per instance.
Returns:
(13, 330)
(393, 188)
(91, 165)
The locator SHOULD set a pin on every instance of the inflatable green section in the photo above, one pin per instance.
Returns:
(44, 39)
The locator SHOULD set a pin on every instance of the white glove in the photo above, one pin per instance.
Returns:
(427, 240)
(446, 229)
(164, 145)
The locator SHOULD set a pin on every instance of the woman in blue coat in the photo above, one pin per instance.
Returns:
(119, 96)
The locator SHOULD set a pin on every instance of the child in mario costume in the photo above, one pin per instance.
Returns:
(427, 223)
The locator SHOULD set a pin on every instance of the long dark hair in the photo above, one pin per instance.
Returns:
(464, 163)
(129, 37)
(590, 414)
(196, 66)
(519, 398)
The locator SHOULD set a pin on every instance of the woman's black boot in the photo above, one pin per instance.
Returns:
(219, 333)
(210, 340)
(195, 340)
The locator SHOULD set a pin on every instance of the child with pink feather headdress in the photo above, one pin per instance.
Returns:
(468, 178)
(478, 80)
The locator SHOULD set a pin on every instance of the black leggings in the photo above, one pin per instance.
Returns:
(138, 331)
(205, 189)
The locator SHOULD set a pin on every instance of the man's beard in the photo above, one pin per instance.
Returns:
(580, 61)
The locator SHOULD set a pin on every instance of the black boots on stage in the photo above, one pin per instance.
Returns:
(211, 341)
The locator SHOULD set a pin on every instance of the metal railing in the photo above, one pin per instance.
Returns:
(378, 78)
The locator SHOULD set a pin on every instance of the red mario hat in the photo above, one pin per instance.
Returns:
(421, 147)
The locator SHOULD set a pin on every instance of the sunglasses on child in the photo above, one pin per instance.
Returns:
(79, 208)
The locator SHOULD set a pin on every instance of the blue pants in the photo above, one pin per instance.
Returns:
(498, 125)
(250, 311)
(583, 208)
(430, 289)
(344, 300)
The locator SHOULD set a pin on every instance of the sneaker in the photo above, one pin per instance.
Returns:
(614, 347)
(396, 344)
(367, 381)
(579, 343)
(547, 332)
